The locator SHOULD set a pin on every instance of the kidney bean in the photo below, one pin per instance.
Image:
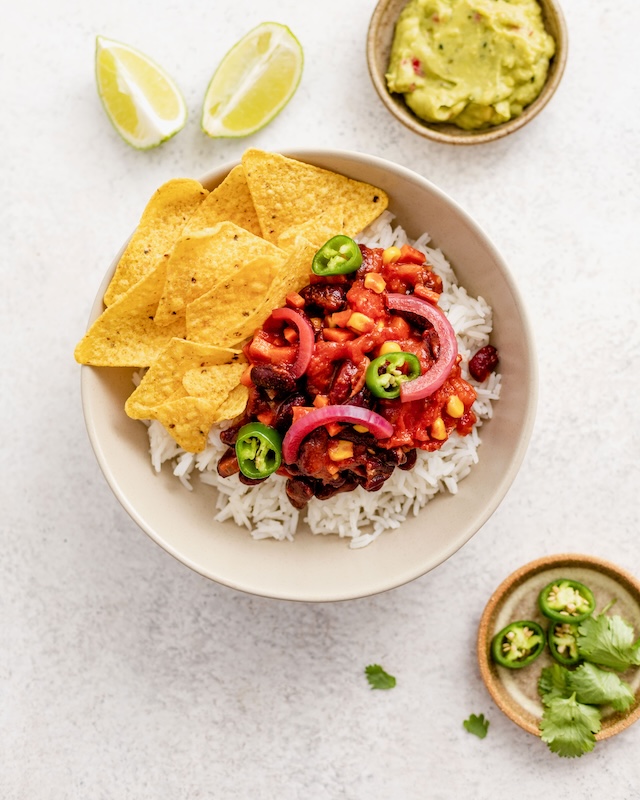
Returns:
(484, 362)
(228, 464)
(284, 412)
(273, 376)
(299, 492)
(325, 296)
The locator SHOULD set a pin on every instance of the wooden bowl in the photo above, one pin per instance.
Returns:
(515, 692)
(380, 38)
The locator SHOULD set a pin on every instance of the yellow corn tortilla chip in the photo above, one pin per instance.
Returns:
(125, 335)
(163, 381)
(161, 224)
(317, 230)
(287, 192)
(188, 420)
(292, 276)
(230, 201)
(226, 314)
(215, 381)
(188, 388)
(203, 260)
(234, 405)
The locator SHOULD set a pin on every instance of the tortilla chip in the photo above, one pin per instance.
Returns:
(292, 276)
(230, 201)
(317, 230)
(215, 381)
(234, 405)
(287, 192)
(188, 388)
(161, 224)
(188, 420)
(164, 378)
(226, 314)
(125, 335)
(203, 260)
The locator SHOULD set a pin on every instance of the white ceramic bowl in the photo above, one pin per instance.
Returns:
(323, 568)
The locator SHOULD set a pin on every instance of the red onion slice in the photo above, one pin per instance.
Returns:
(306, 337)
(377, 425)
(432, 380)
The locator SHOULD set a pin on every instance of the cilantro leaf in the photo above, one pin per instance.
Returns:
(554, 682)
(608, 641)
(477, 725)
(569, 727)
(378, 678)
(593, 685)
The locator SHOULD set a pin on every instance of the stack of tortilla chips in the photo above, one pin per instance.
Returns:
(203, 270)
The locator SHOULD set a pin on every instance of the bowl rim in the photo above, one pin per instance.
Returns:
(398, 109)
(516, 458)
(511, 582)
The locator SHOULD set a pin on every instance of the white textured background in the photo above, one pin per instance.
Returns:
(125, 675)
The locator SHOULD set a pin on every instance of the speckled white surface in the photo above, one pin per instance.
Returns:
(125, 675)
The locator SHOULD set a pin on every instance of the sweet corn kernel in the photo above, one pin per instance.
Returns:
(391, 255)
(340, 449)
(438, 430)
(389, 347)
(375, 282)
(455, 407)
(361, 322)
(360, 429)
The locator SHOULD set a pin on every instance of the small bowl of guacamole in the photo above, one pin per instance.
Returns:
(466, 71)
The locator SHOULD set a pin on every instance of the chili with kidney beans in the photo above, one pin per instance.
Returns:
(356, 372)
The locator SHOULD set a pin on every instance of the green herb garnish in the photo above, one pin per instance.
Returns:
(598, 687)
(608, 641)
(477, 725)
(569, 727)
(378, 678)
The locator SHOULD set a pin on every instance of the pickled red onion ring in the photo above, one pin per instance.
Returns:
(430, 381)
(377, 425)
(306, 337)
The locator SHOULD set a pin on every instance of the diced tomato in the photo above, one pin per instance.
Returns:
(291, 335)
(295, 300)
(267, 417)
(338, 334)
(400, 328)
(409, 272)
(334, 428)
(427, 294)
(245, 378)
(410, 255)
(262, 349)
(341, 318)
(300, 411)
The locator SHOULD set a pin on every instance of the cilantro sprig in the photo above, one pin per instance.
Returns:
(572, 699)
(569, 727)
(378, 678)
(477, 725)
(609, 642)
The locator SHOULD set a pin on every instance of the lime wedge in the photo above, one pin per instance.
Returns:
(253, 82)
(141, 100)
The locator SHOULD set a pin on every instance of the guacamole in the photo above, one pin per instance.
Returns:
(472, 63)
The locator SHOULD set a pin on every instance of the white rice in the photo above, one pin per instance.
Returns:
(359, 516)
